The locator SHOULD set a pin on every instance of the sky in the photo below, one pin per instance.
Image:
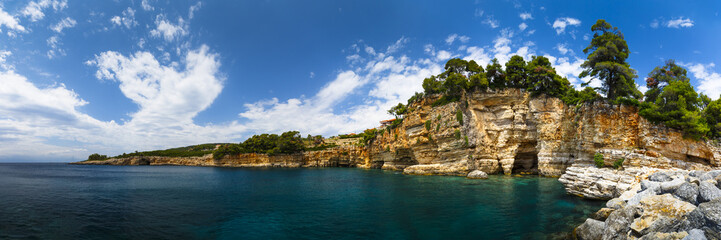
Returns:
(82, 77)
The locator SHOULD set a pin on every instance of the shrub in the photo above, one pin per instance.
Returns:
(97, 157)
(430, 138)
(457, 134)
(445, 100)
(465, 142)
(428, 125)
(598, 160)
(459, 116)
(438, 127)
(618, 163)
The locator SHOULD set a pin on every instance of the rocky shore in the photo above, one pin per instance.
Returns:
(668, 205)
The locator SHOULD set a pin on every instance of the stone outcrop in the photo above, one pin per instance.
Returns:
(669, 205)
(511, 132)
(506, 131)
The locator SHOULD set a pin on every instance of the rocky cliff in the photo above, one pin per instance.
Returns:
(512, 132)
(507, 131)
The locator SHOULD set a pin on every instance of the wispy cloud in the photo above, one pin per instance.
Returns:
(679, 23)
(561, 23)
(34, 9)
(525, 16)
(65, 23)
(168, 30)
(491, 22)
(127, 19)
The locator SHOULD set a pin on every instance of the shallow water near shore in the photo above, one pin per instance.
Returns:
(60, 201)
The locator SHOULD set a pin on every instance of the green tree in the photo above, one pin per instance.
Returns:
(607, 62)
(455, 83)
(431, 85)
(495, 74)
(97, 157)
(516, 72)
(675, 102)
(398, 110)
(712, 113)
(542, 78)
(662, 76)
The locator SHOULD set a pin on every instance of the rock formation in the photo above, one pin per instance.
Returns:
(505, 131)
(668, 205)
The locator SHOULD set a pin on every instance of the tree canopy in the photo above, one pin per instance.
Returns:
(607, 54)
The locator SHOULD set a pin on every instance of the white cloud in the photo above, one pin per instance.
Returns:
(167, 30)
(570, 69)
(391, 79)
(146, 5)
(654, 23)
(54, 43)
(478, 13)
(522, 26)
(36, 118)
(156, 88)
(563, 49)
(193, 9)
(443, 55)
(491, 22)
(525, 16)
(709, 81)
(34, 9)
(127, 19)
(453, 37)
(65, 23)
(679, 23)
(561, 23)
(9, 22)
(312, 75)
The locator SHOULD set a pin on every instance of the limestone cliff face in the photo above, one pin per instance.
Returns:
(347, 156)
(506, 131)
(512, 132)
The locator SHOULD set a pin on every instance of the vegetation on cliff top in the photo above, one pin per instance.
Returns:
(670, 100)
(287, 143)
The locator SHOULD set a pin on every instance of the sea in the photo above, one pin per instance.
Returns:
(63, 201)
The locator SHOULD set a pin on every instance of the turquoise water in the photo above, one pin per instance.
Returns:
(58, 201)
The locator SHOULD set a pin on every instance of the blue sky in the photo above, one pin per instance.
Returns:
(78, 77)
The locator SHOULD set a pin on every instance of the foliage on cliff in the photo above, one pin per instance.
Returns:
(97, 157)
(287, 143)
(189, 151)
(672, 100)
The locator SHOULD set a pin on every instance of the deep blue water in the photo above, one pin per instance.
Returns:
(59, 201)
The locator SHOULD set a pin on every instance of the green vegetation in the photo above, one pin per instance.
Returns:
(618, 163)
(598, 160)
(97, 157)
(465, 141)
(189, 151)
(438, 127)
(428, 125)
(671, 100)
(457, 134)
(321, 147)
(398, 111)
(445, 100)
(367, 136)
(607, 62)
(346, 136)
(272, 144)
(459, 116)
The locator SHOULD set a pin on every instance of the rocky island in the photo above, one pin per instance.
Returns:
(662, 177)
